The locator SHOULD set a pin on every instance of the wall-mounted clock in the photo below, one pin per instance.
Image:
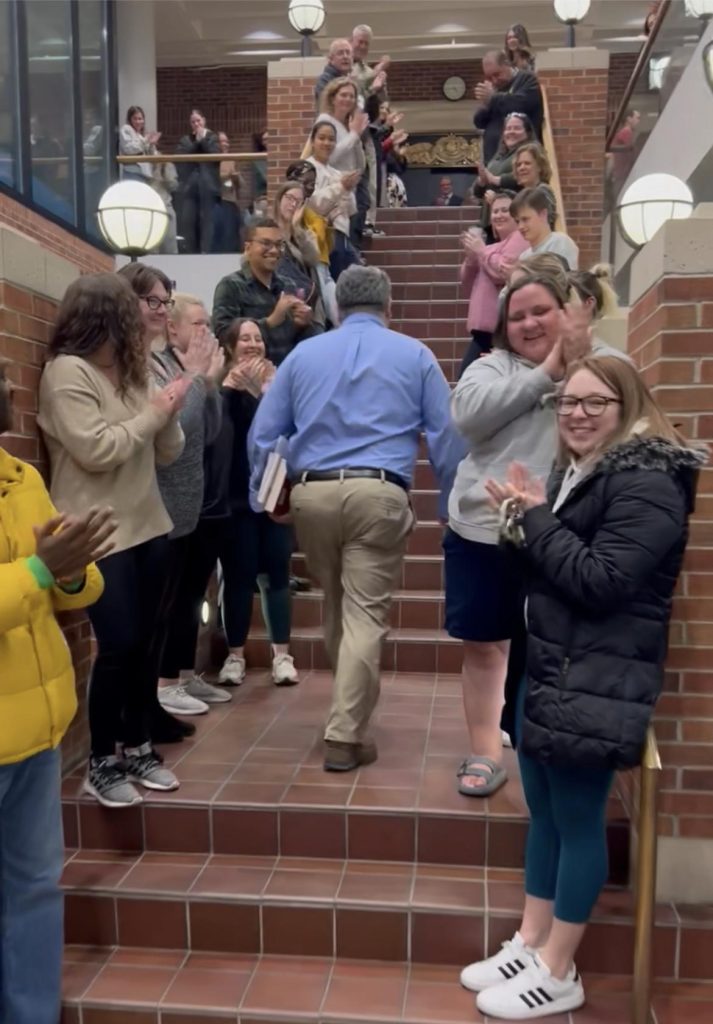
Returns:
(454, 88)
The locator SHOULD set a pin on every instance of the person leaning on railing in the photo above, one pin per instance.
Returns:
(134, 140)
(603, 543)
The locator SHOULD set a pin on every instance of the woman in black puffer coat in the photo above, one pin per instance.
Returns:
(603, 555)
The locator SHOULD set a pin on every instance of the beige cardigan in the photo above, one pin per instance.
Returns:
(104, 448)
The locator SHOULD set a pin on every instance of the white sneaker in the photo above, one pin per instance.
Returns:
(233, 671)
(505, 737)
(513, 958)
(533, 993)
(176, 700)
(284, 672)
(200, 689)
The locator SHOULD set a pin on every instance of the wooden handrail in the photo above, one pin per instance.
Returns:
(189, 158)
(645, 908)
(555, 182)
(641, 62)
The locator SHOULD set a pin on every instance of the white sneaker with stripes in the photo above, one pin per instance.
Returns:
(513, 958)
(533, 993)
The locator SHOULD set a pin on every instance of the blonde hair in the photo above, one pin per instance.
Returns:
(181, 302)
(640, 415)
(548, 263)
(595, 284)
(539, 156)
(326, 105)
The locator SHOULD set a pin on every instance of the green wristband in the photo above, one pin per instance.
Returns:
(39, 570)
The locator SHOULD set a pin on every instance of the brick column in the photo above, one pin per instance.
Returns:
(671, 339)
(577, 85)
(33, 278)
(290, 111)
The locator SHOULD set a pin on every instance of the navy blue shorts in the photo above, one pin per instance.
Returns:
(484, 590)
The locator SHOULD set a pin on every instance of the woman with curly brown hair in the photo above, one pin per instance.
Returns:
(105, 432)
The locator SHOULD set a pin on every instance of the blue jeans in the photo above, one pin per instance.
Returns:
(31, 905)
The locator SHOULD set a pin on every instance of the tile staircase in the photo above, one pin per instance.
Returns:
(265, 890)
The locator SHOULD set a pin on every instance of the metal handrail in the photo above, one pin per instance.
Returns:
(549, 144)
(189, 158)
(641, 63)
(645, 909)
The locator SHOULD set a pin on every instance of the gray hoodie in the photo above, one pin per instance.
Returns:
(504, 408)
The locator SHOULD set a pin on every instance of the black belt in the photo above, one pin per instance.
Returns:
(355, 473)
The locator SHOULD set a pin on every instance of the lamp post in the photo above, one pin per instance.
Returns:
(307, 18)
(571, 12)
(648, 203)
(702, 9)
(708, 63)
(132, 218)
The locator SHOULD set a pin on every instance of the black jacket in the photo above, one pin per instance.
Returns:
(603, 572)
(205, 176)
(523, 96)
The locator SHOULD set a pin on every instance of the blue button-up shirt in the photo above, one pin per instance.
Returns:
(358, 396)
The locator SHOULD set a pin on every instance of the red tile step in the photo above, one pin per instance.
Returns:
(419, 572)
(406, 254)
(144, 986)
(413, 609)
(392, 912)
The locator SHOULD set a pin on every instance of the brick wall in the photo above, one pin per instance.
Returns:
(578, 112)
(52, 237)
(26, 317)
(670, 339)
(419, 80)
(621, 67)
(233, 99)
(290, 115)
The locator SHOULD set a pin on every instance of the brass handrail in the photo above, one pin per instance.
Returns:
(549, 144)
(645, 886)
(189, 158)
(641, 62)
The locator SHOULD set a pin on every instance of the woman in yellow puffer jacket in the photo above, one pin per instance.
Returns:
(46, 566)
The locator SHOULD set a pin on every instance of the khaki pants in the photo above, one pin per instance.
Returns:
(354, 534)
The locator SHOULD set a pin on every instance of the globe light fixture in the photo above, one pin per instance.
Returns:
(132, 218)
(571, 12)
(307, 18)
(708, 63)
(648, 203)
(702, 9)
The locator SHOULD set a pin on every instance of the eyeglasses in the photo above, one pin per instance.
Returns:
(592, 405)
(267, 245)
(154, 303)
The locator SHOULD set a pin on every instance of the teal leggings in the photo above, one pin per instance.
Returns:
(566, 857)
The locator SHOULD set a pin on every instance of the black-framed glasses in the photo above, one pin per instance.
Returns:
(154, 303)
(267, 245)
(592, 405)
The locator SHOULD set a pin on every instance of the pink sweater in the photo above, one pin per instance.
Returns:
(484, 276)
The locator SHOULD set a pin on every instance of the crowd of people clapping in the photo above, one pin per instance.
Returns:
(565, 493)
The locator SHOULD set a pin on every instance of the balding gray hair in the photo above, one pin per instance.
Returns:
(363, 30)
(367, 288)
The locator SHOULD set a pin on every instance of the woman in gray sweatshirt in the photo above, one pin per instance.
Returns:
(504, 408)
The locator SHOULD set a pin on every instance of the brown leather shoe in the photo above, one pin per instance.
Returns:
(345, 757)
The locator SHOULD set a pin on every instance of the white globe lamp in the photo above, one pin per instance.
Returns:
(307, 18)
(648, 203)
(132, 218)
(571, 12)
(699, 9)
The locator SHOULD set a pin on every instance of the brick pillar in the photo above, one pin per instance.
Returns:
(290, 111)
(577, 85)
(33, 279)
(671, 339)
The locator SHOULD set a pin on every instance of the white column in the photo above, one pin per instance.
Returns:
(136, 58)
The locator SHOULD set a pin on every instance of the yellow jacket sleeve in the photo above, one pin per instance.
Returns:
(17, 586)
(90, 592)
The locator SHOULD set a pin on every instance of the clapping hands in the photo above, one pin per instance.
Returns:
(252, 375)
(528, 491)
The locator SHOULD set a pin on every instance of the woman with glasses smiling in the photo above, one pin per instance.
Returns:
(603, 544)
(106, 430)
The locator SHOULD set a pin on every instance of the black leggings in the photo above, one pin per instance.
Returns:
(123, 681)
(482, 342)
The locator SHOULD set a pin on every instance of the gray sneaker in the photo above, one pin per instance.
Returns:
(200, 689)
(145, 766)
(108, 783)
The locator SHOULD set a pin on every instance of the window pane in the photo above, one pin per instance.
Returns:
(8, 98)
(94, 98)
(51, 106)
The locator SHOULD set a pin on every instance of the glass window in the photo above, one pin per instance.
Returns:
(51, 106)
(8, 98)
(94, 98)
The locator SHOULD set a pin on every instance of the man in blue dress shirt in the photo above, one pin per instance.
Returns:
(353, 403)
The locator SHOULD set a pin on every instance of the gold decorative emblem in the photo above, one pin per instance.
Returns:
(448, 151)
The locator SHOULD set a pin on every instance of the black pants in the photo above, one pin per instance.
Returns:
(482, 342)
(123, 682)
(195, 218)
(201, 555)
(363, 201)
(176, 560)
